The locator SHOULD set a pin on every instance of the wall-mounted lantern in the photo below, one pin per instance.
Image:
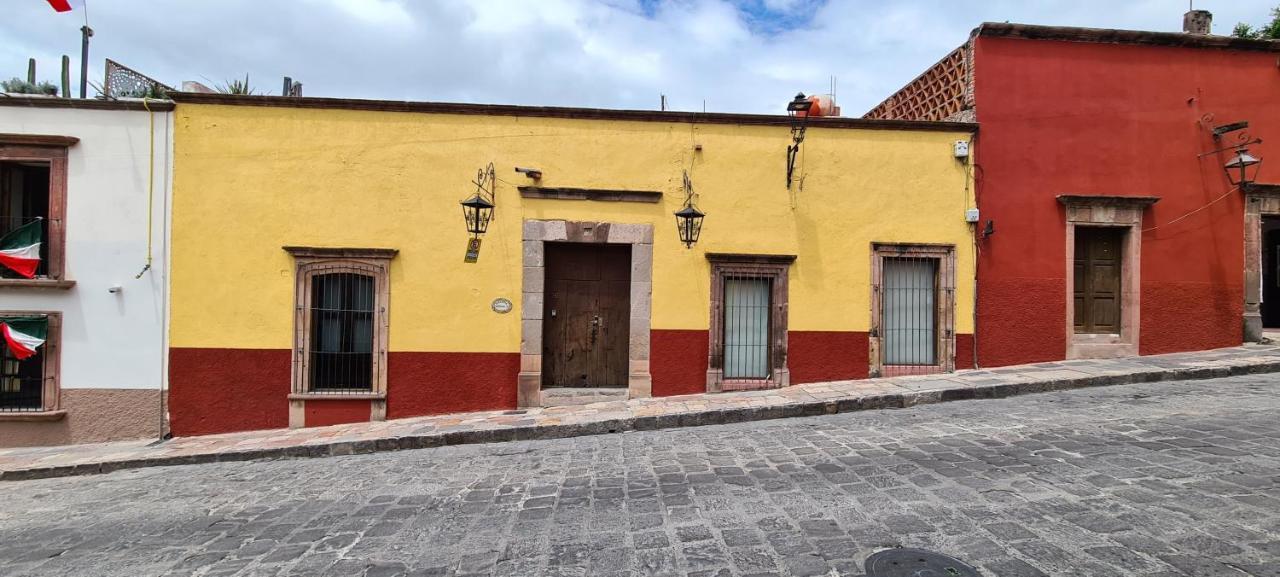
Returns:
(477, 209)
(1242, 169)
(798, 110)
(689, 218)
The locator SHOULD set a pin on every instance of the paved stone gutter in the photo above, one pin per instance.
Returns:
(636, 415)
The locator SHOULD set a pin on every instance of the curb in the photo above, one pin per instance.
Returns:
(653, 423)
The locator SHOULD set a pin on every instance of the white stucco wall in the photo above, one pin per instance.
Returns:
(108, 340)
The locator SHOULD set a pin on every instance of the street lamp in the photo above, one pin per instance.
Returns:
(798, 110)
(689, 224)
(1243, 168)
(689, 218)
(477, 209)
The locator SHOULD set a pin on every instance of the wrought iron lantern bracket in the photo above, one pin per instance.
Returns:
(798, 110)
(478, 209)
(689, 218)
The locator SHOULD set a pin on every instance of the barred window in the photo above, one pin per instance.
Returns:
(29, 362)
(746, 327)
(341, 332)
(748, 322)
(340, 326)
(913, 309)
(21, 382)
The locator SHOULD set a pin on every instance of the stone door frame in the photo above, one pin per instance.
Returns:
(1260, 200)
(1107, 211)
(536, 233)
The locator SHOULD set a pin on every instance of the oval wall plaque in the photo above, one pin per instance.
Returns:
(501, 306)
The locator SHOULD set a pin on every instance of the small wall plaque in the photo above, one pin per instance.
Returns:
(473, 251)
(501, 306)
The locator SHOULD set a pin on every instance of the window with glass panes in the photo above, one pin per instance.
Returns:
(33, 190)
(341, 320)
(748, 344)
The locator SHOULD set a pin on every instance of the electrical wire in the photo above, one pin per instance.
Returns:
(1207, 205)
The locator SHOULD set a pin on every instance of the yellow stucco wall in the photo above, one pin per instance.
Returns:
(249, 180)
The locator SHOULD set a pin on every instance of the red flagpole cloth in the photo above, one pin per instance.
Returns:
(61, 5)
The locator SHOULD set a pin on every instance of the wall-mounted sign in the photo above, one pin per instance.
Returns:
(473, 250)
(501, 306)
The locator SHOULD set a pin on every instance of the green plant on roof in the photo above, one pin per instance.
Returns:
(236, 86)
(150, 91)
(20, 86)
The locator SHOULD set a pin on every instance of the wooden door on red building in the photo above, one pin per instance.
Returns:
(586, 316)
(1098, 258)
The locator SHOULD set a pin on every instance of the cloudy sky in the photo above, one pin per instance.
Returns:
(734, 55)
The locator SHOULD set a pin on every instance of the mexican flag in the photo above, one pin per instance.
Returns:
(24, 334)
(20, 249)
(63, 5)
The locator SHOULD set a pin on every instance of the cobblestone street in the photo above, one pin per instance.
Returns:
(1177, 478)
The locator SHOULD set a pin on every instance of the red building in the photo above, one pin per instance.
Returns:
(1108, 225)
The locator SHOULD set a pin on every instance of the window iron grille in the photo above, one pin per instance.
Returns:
(910, 315)
(21, 382)
(748, 337)
(747, 312)
(342, 324)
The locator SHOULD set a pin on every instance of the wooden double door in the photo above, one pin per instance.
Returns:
(586, 315)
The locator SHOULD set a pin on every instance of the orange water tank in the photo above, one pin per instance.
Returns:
(823, 105)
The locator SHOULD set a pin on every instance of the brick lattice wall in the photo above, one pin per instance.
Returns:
(944, 92)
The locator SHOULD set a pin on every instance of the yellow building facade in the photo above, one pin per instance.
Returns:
(319, 272)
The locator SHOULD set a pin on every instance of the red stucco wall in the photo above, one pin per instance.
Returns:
(225, 390)
(435, 383)
(1108, 119)
(816, 356)
(964, 351)
(335, 412)
(678, 362)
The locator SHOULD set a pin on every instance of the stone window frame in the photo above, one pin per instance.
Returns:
(51, 394)
(777, 268)
(1097, 211)
(53, 150)
(1260, 200)
(535, 234)
(945, 331)
(312, 261)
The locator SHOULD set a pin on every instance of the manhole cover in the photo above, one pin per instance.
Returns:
(916, 563)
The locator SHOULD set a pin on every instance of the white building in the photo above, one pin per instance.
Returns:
(96, 174)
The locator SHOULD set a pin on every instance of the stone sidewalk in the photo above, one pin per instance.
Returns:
(635, 415)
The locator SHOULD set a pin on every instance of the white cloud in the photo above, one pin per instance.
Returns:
(383, 13)
(605, 53)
